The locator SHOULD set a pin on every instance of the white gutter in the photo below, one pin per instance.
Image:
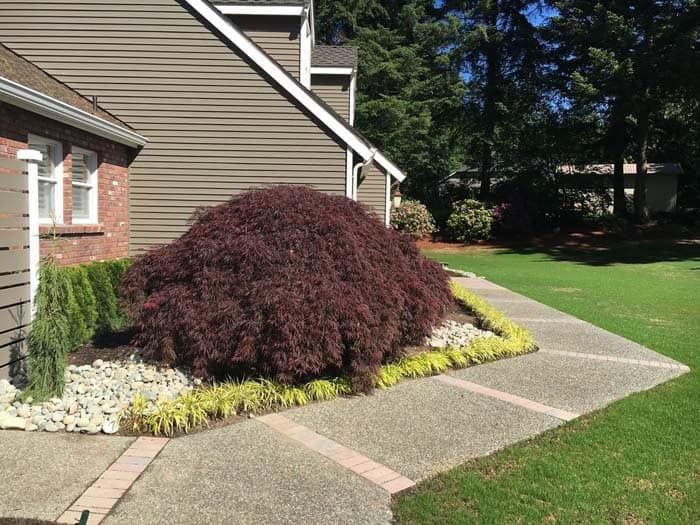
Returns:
(37, 102)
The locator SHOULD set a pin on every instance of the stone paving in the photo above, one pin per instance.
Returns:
(340, 461)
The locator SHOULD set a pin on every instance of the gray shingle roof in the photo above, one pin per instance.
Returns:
(260, 2)
(334, 56)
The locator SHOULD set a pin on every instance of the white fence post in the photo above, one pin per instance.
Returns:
(32, 157)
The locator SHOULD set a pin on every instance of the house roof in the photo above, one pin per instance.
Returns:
(668, 168)
(290, 85)
(334, 56)
(25, 85)
(20, 70)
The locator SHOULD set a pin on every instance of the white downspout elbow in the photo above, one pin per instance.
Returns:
(361, 168)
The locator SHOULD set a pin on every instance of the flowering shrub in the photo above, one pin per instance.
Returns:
(470, 220)
(286, 283)
(511, 218)
(412, 217)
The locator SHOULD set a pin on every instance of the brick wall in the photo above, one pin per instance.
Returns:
(78, 243)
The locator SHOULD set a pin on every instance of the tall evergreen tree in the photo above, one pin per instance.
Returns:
(625, 57)
(500, 53)
(409, 94)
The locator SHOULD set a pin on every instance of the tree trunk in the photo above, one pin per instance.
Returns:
(493, 74)
(641, 211)
(619, 145)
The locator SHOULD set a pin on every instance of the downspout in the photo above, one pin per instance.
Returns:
(361, 168)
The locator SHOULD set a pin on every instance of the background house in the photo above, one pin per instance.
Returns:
(662, 181)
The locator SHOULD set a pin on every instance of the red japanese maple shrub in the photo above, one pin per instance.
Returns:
(287, 283)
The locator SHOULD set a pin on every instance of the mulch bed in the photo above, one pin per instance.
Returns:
(86, 354)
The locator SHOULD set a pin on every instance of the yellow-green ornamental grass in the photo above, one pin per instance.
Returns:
(197, 408)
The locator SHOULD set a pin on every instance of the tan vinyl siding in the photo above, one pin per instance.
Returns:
(277, 35)
(215, 126)
(335, 91)
(372, 191)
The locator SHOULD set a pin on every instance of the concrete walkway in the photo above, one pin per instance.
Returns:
(340, 461)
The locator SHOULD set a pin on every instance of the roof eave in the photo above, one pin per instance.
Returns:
(37, 102)
(260, 10)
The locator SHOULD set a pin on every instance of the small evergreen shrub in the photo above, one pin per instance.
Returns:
(85, 298)
(470, 220)
(109, 319)
(413, 217)
(49, 339)
(78, 330)
(116, 268)
(286, 283)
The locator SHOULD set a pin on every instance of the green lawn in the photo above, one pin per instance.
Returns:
(635, 462)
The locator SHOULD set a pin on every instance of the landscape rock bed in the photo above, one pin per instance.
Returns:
(93, 396)
(454, 334)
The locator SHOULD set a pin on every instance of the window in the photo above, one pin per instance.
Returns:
(84, 181)
(50, 179)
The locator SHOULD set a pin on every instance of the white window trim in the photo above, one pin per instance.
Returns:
(93, 182)
(57, 183)
(353, 88)
(332, 70)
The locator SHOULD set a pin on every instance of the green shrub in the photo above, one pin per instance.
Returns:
(470, 220)
(413, 217)
(78, 330)
(85, 297)
(49, 339)
(109, 319)
(116, 268)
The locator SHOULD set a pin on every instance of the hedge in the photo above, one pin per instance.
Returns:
(203, 404)
(93, 307)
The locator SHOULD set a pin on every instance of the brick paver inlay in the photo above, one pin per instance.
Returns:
(378, 474)
(613, 359)
(534, 406)
(106, 491)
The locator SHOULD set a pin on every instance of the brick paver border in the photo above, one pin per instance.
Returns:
(100, 497)
(348, 458)
(613, 359)
(534, 406)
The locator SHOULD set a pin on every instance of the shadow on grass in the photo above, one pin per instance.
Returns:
(623, 252)
(600, 252)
